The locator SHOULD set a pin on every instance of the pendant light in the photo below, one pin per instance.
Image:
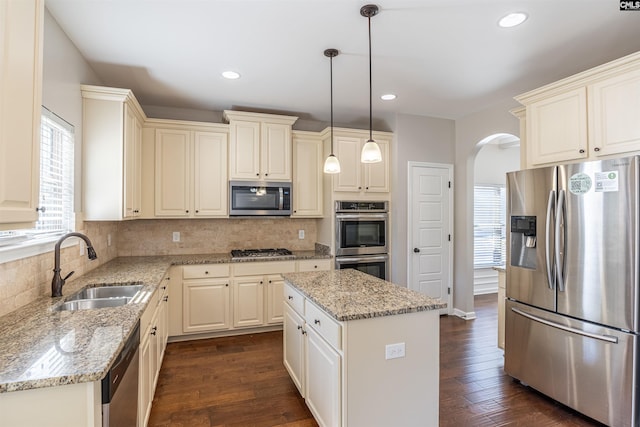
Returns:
(331, 165)
(371, 151)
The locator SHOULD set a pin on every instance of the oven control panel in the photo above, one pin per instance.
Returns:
(360, 206)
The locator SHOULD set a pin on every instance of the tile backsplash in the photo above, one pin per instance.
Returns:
(25, 280)
(197, 236)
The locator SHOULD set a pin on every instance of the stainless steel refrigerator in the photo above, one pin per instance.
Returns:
(571, 320)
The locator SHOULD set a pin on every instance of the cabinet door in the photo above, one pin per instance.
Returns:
(163, 327)
(210, 174)
(307, 177)
(348, 152)
(145, 396)
(248, 301)
(323, 369)
(132, 163)
(294, 350)
(275, 298)
(557, 128)
(172, 172)
(275, 155)
(244, 150)
(20, 105)
(614, 115)
(376, 175)
(206, 305)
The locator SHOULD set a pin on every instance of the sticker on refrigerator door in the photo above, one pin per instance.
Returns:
(606, 181)
(580, 183)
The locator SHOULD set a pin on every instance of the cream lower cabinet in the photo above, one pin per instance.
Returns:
(206, 298)
(21, 35)
(342, 371)
(258, 290)
(153, 342)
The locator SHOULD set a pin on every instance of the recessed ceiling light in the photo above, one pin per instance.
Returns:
(512, 19)
(388, 97)
(231, 75)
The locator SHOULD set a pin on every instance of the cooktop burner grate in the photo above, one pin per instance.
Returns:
(261, 253)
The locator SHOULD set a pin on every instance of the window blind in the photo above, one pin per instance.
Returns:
(489, 233)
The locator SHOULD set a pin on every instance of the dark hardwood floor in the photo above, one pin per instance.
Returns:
(240, 381)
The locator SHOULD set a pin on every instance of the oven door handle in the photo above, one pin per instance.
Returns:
(371, 258)
(362, 216)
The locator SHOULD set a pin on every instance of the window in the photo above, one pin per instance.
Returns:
(489, 234)
(55, 207)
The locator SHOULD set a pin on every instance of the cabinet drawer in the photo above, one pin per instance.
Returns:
(314, 265)
(205, 270)
(328, 328)
(263, 268)
(294, 298)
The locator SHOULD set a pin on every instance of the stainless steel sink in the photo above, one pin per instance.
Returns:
(102, 296)
(114, 291)
(87, 304)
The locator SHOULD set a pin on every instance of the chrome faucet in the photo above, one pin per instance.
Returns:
(58, 282)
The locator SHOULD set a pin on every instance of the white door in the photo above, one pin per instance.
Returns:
(430, 223)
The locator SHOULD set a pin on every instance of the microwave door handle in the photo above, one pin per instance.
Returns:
(281, 204)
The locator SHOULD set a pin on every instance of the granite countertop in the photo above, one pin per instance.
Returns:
(41, 347)
(351, 294)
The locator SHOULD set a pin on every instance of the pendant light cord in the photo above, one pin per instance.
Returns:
(331, 98)
(370, 87)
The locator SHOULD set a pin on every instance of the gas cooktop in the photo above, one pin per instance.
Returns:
(261, 253)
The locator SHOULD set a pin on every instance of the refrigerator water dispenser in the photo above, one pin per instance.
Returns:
(523, 241)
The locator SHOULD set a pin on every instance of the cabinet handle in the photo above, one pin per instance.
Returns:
(317, 322)
(596, 149)
(257, 174)
(366, 188)
(266, 174)
(226, 284)
(153, 330)
(163, 288)
(299, 327)
(315, 266)
(168, 278)
(581, 151)
(261, 282)
(206, 272)
(166, 298)
(290, 297)
(304, 332)
(41, 209)
(269, 281)
(197, 211)
(187, 211)
(359, 188)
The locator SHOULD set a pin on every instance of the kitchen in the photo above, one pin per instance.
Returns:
(65, 66)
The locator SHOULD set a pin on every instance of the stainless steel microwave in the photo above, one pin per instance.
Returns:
(257, 198)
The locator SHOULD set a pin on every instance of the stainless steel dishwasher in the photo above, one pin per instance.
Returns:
(120, 386)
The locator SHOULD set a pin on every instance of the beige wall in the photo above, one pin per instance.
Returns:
(201, 236)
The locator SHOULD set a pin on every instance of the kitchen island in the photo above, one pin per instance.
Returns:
(362, 351)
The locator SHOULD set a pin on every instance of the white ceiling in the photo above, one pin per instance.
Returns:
(443, 58)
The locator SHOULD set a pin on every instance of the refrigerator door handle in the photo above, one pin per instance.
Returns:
(560, 240)
(550, 262)
(607, 338)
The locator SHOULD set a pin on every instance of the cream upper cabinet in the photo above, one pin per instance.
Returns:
(21, 31)
(112, 138)
(190, 171)
(356, 177)
(259, 146)
(588, 116)
(308, 163)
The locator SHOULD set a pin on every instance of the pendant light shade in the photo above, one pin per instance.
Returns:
(332, 164)
(371, 151)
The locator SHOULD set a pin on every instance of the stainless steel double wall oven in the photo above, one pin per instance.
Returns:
(362, 236)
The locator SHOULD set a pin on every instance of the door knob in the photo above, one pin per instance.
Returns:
(416, 250)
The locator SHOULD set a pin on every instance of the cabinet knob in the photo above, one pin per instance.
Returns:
(366, 188)
(41, 209)
(299, 327)
(187, 211)
(163, 288)
(596, 149)
(206, 272)
(257, 174)
(359, 188)
(166, 299)
(269, 281)
(266, 174)
(153, 330)
(261, 282)
(315, 266)
(317, 322)
(581, 151)
(290, 297)
(226, 284)
(197, 211)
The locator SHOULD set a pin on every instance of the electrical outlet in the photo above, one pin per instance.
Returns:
(109, 239)
(301, 234)
(394, 351)
(176, 236)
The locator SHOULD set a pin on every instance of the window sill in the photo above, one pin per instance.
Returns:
(32, 247)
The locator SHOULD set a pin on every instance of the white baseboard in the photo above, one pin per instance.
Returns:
(464, 315)
(485, 290)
